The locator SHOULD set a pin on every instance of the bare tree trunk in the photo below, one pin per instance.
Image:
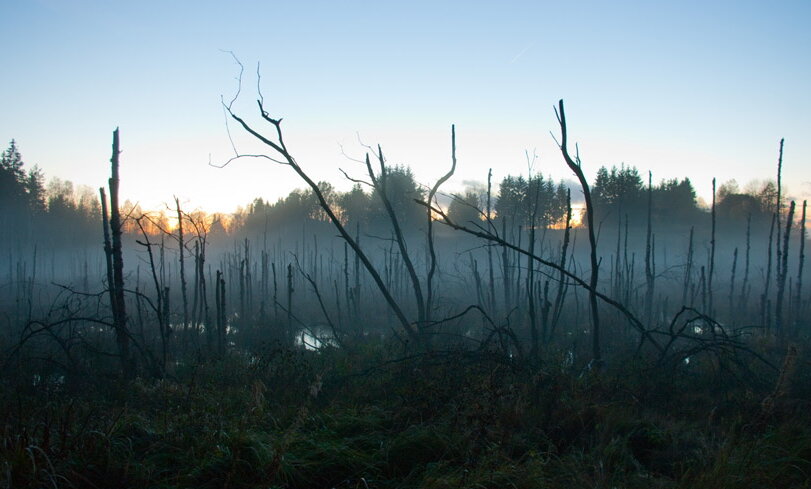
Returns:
(731, 310)
(648, 268)
(219, 300)
(560, 295)
(505, 265)
(429, 285)
(533, 317)
(798, 300)
(530, 284)
(617, 264)
(195, 319)
(574, 165)
(688, 271)
(379, 183)
(242, 287)
(347, 293)
(782, 274)
(703, 289)
(356, 288)
(289, 327)
(489, 218)
(546, 306)
(265, 279)
(745, 284)
(160, 297)
(120, 313)
(711, 269)
(517, 261)
(779, 204)
(223, 333)
(182, 250)
(108, 252)
(764, 297)
(205, 312)
(167, 325)
(630, 267)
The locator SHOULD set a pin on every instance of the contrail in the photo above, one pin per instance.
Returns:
(522, 52)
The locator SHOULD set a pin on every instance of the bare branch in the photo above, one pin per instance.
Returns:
(239, 78)
(240, 156)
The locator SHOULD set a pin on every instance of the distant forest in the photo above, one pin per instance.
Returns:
(61, 212)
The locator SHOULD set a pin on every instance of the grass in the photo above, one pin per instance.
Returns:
(293, 419)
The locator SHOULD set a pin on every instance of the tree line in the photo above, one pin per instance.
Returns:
(32, 212)
(40, 213)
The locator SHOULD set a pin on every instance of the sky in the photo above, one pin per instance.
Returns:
(683, 89)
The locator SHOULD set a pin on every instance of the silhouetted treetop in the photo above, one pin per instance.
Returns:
(402, 191)
(466, 208)
(537, 201)
(618, 191)
(621, 193)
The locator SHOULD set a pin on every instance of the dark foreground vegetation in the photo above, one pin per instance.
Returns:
(377, 339)
(369, 417)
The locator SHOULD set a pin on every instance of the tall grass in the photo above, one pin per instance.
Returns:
(285, 418)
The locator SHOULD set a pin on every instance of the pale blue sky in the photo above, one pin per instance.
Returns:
(697, 89)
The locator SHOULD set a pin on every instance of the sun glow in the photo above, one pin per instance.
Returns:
(578, 212)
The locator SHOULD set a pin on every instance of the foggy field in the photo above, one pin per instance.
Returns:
(366, 245)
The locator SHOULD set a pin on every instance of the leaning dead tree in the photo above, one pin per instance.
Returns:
(283, 156)
(424, 297)
(379, 184)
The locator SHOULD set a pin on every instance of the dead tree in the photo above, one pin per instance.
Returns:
(730, 308)
(711, 268)
(108, 249)
(160, 291)
(379, 184)
(181, 250)
(221, 329)
(115, 262)
(782, 273)
(288, 333)
(574, 165)
(489, 218)
(562, 285)
(798, 297)
(284, 157)
(649, 274)
(533, 317)
(688, 271)
(432, 267)
(764, 296)
(201, 309)
(778, 205)
(744, 297)
(645, 334)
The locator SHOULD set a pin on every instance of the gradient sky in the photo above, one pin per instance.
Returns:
(696, 89)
